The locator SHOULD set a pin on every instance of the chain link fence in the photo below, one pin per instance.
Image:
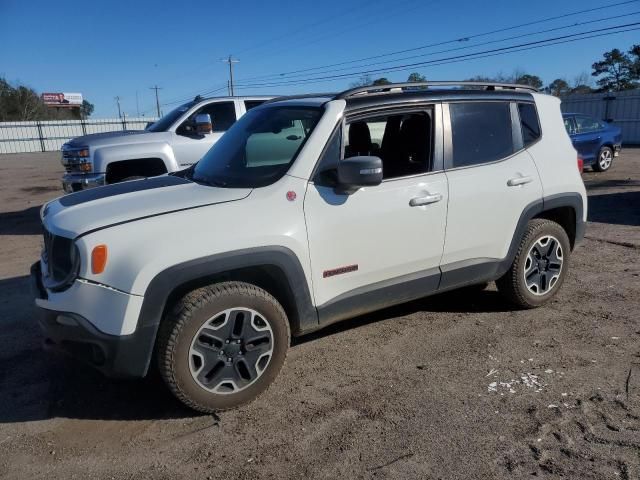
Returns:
(49, 135)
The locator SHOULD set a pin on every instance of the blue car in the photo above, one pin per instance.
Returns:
(597, 142)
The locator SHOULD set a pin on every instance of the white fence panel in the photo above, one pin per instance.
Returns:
(49, 135)
(620, 108)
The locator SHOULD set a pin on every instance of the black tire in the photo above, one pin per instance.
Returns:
(604, 160)
(176, 346)
(522, 291)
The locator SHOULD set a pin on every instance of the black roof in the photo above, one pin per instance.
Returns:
(363, 97)
(439, 95)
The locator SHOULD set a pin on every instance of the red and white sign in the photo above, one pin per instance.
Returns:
(62, 99)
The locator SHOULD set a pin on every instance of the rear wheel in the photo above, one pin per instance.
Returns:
(605, 159)
(539, 267)
(223, 345)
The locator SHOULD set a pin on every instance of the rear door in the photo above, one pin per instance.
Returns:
(492, 179)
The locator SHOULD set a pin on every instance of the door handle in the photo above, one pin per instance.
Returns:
(426, 200)
(514, 182)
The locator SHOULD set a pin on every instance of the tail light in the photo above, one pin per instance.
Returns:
(580, 164)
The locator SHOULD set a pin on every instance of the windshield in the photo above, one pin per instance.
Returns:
(258, 149)
(165, 122)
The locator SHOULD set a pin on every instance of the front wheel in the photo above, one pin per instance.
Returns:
(222, 345)
(539, 267)
(605, 159)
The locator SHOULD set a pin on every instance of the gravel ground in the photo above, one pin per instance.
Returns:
(452, 386)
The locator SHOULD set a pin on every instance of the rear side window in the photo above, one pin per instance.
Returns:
(586, 124)
(249, 104)
(529, 123)
(481, 132)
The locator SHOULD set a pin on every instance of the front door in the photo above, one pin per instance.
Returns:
(379, 245)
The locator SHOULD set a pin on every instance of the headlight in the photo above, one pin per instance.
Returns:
(62, 261)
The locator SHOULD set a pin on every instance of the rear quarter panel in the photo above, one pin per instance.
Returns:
(554, 155)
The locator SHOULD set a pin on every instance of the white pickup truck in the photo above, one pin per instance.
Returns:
(176, 141)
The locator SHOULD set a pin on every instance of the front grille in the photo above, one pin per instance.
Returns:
(60, 259)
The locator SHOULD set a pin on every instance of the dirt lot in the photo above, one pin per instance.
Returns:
(454, 386)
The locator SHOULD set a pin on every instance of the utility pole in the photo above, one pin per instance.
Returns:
(156, 88)
(118, 102)
(230, 61)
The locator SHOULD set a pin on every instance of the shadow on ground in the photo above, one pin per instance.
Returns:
(615, 208)
(25, 222)
(38, 385)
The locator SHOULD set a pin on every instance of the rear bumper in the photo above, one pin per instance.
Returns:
(122, 356)
(616, 149)
(74, 182)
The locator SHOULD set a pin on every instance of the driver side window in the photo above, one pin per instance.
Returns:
(223, 115)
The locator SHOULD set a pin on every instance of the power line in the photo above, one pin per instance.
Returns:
(275, 78)
(490, 42)
(465, 38)
(470, 56)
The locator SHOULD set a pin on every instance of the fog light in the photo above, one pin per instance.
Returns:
(85, 167)
(66, 320)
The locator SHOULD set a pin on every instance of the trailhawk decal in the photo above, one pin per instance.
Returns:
(339, 271)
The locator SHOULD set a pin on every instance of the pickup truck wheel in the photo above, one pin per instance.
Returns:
(605, 159)
(222, 345)
(539, 267)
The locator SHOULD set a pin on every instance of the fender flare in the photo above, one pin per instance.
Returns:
(167, 281)
(573, 200)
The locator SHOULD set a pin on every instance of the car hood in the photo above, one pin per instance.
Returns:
(125, 137)
(97, 208)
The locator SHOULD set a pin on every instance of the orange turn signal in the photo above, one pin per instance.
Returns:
(98, 259)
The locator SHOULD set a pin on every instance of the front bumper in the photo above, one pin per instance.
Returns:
(121, 356)
(74, 182)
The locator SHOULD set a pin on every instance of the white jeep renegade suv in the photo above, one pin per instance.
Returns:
(310, 210)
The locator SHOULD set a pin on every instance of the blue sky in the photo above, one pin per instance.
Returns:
(103, 49)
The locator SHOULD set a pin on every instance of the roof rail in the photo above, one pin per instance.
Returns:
(400, 86)
(302, 96)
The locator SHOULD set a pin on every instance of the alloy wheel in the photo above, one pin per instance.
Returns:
(543, 265)
(231, 350)
(605, 159)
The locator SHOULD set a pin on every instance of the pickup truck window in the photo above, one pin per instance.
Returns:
(223, 115)
(249, 104)
(258, 149)
(170, 118)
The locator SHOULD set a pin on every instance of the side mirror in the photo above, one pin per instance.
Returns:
(356, 172)
(203, 123)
